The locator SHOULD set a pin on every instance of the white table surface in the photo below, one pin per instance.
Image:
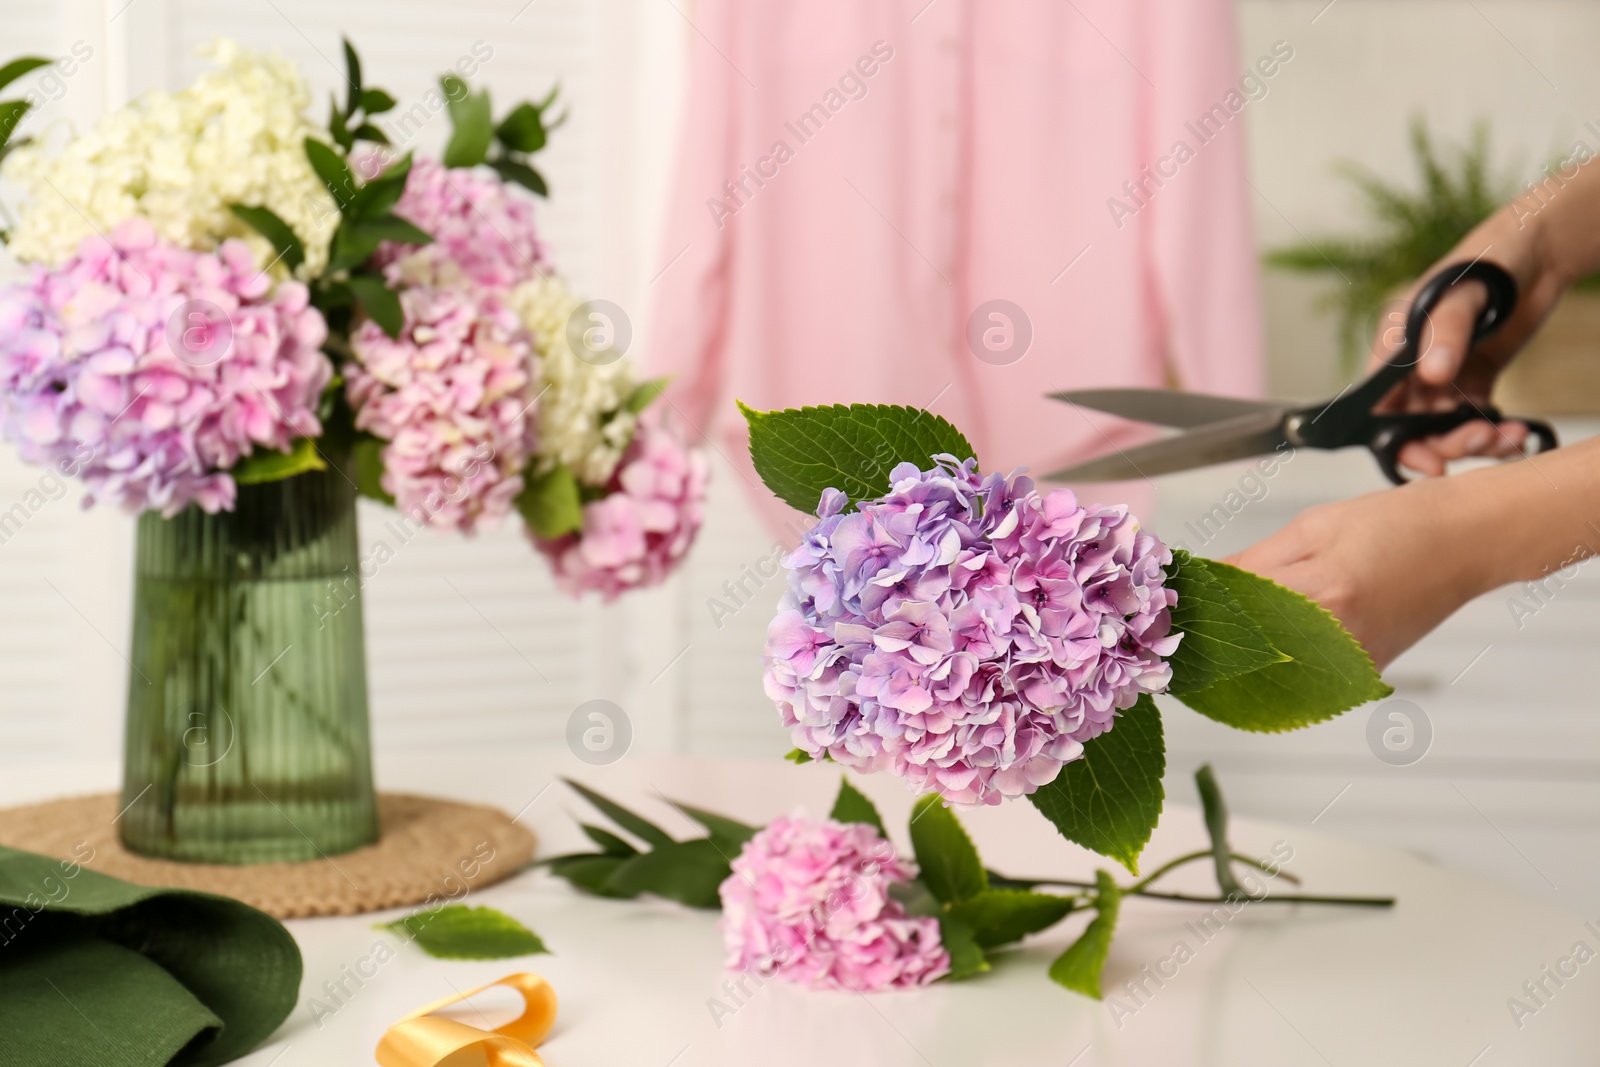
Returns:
(1425, 983)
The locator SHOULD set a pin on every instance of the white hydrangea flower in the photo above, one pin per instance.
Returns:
(179, 159)
(582, 422)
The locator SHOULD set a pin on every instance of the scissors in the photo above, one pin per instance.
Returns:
(1220, 428)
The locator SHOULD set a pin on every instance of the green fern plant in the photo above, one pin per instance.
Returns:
(1410, 230)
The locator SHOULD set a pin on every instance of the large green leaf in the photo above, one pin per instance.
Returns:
(379, 196)
(550, 503)
(11, 112)
(352, 66)
(369, 468)
(1327, 673)
(966, 956)
(457, 932)
(474, 125)
(376, 101)
(800, 452)
(689, 872)
(1219, 640)
(949, 862)
(1109, 800)
(1079, 967)
(282, 237)
(263, 465)
(853, 806)
(609, 843)
(1001, 916)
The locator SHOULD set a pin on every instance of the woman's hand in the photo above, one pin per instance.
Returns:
(1390, 565)
(1530, 238)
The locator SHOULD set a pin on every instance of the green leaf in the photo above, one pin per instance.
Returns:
(947, 859)
(376, 101)
(1079, 967)
(966, 957)
(333, 170)
(339, 126)
(1216, 813)
(797, 757)
(369, 469)
(853, 806)
(727, 834)
(522, 130)
(474, 125)
(264, 466)
(1219, 640)
(380, 303)
(609, 843)
(1001, 916)
(513, 170)
(11, 112)
(644, 394)
(689, 872)
(1109, 801)
(801, 452)
(551, 504)
(379, 196)
(18, 67)
(277, 232)
(457, 932)
(352, 66)
(1328, 671)
(590, 872)
(368, 132)
(636, 825)
(357, 239)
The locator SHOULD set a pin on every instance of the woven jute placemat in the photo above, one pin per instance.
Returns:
(429, 850)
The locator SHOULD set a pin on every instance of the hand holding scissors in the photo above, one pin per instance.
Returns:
(1217, 429)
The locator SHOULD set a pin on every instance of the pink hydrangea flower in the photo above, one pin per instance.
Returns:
(482, 229)
(452, 396)
(967, 633)
(151, 369)
(808, 902)
(642, 528)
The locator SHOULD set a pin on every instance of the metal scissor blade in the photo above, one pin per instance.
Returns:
(1167, 407)
(1236, 438)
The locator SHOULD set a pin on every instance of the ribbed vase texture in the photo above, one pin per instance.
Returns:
(247, 737)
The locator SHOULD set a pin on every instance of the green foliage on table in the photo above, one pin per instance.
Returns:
(457, 932)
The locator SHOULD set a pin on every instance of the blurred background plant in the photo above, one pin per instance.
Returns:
(1409, 231)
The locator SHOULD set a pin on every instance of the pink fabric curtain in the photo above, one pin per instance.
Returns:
(857, 179)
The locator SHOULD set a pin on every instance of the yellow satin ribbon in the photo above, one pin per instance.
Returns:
(421, 1040)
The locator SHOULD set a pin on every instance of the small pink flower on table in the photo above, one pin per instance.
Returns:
(808, 902)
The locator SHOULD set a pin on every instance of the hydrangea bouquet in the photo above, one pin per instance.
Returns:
(983, 641)
(222, 292)
(233, 320)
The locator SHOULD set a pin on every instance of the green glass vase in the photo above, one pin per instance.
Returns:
(247, 737)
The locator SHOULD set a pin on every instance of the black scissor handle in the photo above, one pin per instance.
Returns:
(1502, 290)
(1391, 433)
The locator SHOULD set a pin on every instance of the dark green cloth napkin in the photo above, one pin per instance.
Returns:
(95, 970)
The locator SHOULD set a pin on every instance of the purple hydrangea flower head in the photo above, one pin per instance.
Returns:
(452, 397)
(966, 632)
(808, 902)
(150, 370)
